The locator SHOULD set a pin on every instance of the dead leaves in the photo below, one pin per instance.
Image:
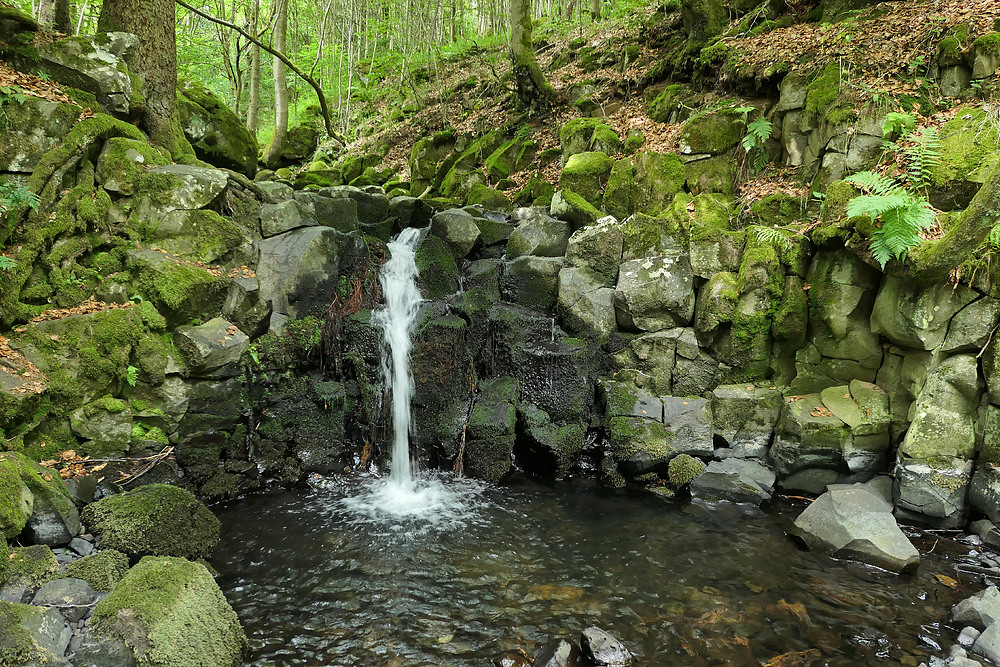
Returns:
(91, 305)
(31, 85)
(24, 375)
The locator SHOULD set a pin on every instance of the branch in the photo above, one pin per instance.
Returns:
(324, 108)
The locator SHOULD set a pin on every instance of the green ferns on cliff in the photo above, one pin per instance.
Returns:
(903, 215)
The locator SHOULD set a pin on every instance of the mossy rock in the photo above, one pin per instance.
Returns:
(171, 613)
(670, 106)
(54, 518)
(16, 501)
(581, 135)
(102, 570)
(437, 270)
(158, 520)
(586, 174)
(714, 174)
(23, 626)
(660, 177)
(123, 163)
(684, 469)
(489, 198)
(31, 566)
(455, 181)
(301, 142)
(198, 236)
(713, 133)
(183, 291)
(970, 146)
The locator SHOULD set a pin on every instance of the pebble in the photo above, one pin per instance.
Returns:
(968, 636)
(81, 546)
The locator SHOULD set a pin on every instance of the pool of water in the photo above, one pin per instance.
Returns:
(315, 581)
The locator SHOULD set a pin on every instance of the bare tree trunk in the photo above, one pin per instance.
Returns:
(83, 14)
(155, 62)
(55, 14)
(275, 147)
(253, 106)
(533, 90)
(595, 10)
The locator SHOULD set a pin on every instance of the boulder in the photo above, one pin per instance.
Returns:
(933, 491)
(101, 570)
(283, 217)
(72, 597)
(573, 208)
(215, 132)
(300, 270)
(970, 329)
(94, 64)
(988, 643)
(734, 480)
(157, 519)
(587, 134)
(943, 416)
(980, 610)
(437, 276)
(852, 522)
(808, 435)
(202, 236)
(585, 305)
(106, 423)
(171, 612)
(31, 130)
(545, 447)
(602, 648)
(54, 519)
(16, 500)
(586, 174)
(213, 349)
(597, 249)
(123, 162)
(178, 187)
(33, 636)
(968, 150)
(491, 430)
(532, 281)
(558, 653)
(372, 202)
(457, 229)
(712, 133)
(180, 290)
(745, 417)
(537, 234)
(245, 308)
(917, 317)
(655, 293)
(688, 424)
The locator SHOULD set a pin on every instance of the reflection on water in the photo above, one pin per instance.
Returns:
(320, 579)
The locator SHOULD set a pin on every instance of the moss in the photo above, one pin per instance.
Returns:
(989, 43)
(17, 647)
(183, 617)
(45, 485)
(586, 174)
(660, 176)
(823, 90)
(158, 519)
(714, 54)
(16, 502)
(101, 570)
(684, 469)
(125, 161)
(619, 398)
(622, 196)
(969, 144)
(714, 132)
(949, 52)
(437, 270)
(32, 565)
(489, 199)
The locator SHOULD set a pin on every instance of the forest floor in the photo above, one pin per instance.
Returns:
(883, 54)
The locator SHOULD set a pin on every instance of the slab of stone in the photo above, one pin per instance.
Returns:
(917, 317)
(538, 234)
(603, 648)
(979, 610)
(933, 492)
(734, 480)
(688, 423)
(744, 416)
(586, 308)
(192, 188)
(458, 229)
(988, 643)
(212, 349)
(855, 523)
(285, 216)
(71, 597)
(655, 293)
(597, 249)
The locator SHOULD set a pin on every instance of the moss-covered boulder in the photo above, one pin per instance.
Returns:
(587, 134)
(598, 249)
(16, 501)
(30, 567)
(489, 198)
(31, 129)
(181, 290)
(970, 144)
(95, 65)
(586, 304)
(545, 447)
(660, 177)
(512, 156)
(986, 58)
(437, 275)
(586, 174)
(943, 422)
(101, 570)
(123, 163)
(176, 187)
(744, 417)
(171, 613)
(655, 293)
(458, 229)
(31, 635)
(712, 133)
(425, 161)
(537, 234)
(54, 518)
(573, 208)
(215, 132)
(158, 520)
(491, 430)
(532, 281)
(456, 181)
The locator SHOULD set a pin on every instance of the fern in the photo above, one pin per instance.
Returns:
(6, 263)
(771, 236)
(994, 238)
(923, 156)
(900, 124)
(903, 215)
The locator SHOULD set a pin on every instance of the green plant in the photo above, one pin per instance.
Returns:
(12, 198)
(131, 375)
(903, 214)
(758, 132)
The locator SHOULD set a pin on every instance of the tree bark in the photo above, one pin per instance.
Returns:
(276, 146)
(533, 91)
(55, 14)
(964, 238)
(595, 9)
(253, 105)
(155, 62)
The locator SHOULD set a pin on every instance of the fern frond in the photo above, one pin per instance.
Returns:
(923, 156)
(900, 230)
(994, 238)
(876, 205)
(874, 183)
(758, 132)
(898, 123)
(771, 236)
(6, 263)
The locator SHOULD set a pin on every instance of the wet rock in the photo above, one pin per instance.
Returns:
(213, 349)
(688, 425)
(533, 281)
(968, 636)
(71, 597)
(511, 660)
(735, 480)
(603, 648)
(559, 653)
(572, 208)
(808, 436)
(933, 491)
(987, 531)
(372, 203)
(597, 249)
(917, 317)
(491, 430)
(988, 643)
(458, 229)
(979, 610)
(537, 234)
(410, 211)
(95, 652)
(545, 447)
(852, 522)
(744, 416)
(654, 293)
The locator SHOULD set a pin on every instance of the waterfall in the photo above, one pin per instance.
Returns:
(402, 301)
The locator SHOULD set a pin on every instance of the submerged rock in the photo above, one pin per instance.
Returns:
(853, 522)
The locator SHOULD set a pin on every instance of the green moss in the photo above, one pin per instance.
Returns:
(714, 54)
(16, 502)
(989, 43)
(489, 198)
(16, 644)
(101, 570)
(969, 145)
(823, 90)
(45, 485)
(157, 519)
(622, 195)
(713, 132)
(684, 469)
(32, 565)
(438, 272)
(949, 52)
(183, 617)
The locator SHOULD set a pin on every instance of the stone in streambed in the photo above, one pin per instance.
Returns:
(979, 610)
(603, 648)
(734, 480)
(559, 653)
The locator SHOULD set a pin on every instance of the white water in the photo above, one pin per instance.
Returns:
(402, 301)
(406, 503)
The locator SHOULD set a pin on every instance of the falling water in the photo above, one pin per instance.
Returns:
(402, 301)
(406, 503)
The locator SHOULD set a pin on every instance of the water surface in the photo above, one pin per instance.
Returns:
(316, 581)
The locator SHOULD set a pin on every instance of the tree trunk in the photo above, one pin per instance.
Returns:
(155, 62)
(595, 10)
(253, 105)
(275, 147)
(964, 238)
(533, 90)
(55, 14)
